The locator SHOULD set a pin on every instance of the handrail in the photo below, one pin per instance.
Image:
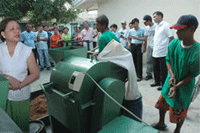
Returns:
(72, 41)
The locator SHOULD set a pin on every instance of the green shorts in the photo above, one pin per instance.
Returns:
(19, 111)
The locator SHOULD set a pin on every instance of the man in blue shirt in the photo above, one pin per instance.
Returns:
(136, 46)
(29, 38)
(42, 48)
(114, 30)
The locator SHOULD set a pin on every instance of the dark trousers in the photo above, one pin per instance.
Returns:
(36, 57)
(160, 69)
(137, 58)
(135, 106)
(35, 54)
(94, 44)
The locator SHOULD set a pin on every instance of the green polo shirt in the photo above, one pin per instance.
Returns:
(105, 38)
(67, 38)
(184, 62)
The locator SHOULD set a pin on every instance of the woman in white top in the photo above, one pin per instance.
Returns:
(15, 59)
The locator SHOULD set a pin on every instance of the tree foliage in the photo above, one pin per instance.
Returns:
(15, 8)
(38, 10)
(60, 13)
(42, 10)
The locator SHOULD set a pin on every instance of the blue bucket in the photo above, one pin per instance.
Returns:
(135, 106)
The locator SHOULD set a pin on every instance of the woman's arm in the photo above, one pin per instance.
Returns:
(34, 71)
(61, 39)
(14, 84)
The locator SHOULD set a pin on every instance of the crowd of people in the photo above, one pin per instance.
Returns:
(173, 62)
(42, 38)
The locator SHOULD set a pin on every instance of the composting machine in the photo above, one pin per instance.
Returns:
(74, 97)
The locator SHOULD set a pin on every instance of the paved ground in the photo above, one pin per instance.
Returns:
(150, 114)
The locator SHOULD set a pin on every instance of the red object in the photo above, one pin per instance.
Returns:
(178, 27)
(175, 115)
(79, 39)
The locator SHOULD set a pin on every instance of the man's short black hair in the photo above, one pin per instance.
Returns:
(54, 24)
(45, 26)
(29, 24)
(159, 13)
(86, 22)
(114, 26)
(147, 18)
(65, 28)
(103, 20)
(135, 20)
(55, 28)
(39, 25)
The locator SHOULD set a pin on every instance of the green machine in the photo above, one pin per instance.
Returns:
(74, 99)
(4, 83)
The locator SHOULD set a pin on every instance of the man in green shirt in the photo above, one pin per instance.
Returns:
(183, 61)
(102, 26)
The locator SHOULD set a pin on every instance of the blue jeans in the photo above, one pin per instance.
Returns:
(43, 53)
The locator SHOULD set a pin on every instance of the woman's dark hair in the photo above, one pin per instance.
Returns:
(135, 20)
(3, 26)
(159, 13)
(114, 26)
(55, 28)
(65, 28)
(103, 20)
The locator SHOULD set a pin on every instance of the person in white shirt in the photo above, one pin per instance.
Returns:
(95, 36)
(15, 60)
(87, 34)
(149, 35)
(163, 36)
(124, 35)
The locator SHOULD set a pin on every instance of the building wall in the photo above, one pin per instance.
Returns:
(118, 10)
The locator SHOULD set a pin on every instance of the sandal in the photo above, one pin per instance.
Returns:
(159, 127)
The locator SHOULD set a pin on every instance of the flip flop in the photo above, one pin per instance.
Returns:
(159, 127)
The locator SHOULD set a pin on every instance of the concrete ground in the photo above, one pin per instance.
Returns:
(150, 97)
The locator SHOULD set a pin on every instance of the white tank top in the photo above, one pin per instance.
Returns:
(16, 66)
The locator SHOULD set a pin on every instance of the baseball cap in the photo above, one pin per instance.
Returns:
(123, 22)
(146, 18)
(185, 21)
